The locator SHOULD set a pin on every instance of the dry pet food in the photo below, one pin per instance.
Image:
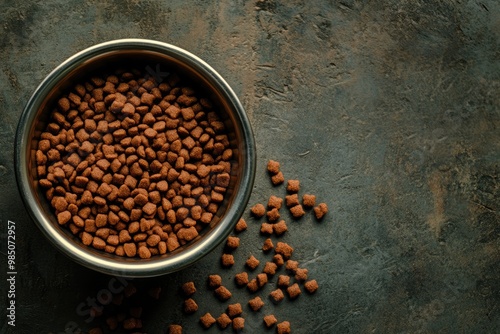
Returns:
(270, 268)
(234, 310)
(238, 324)
(297, 211)
(273, 215)
(293, 291)
(253, 285)
(320, 211)
(241, 279)
(241, 226)
(175, 329)
(284, 249)
(301, 274)
(292, 200)
(283, 281)
(293, 186)
(311, 286)
(132, 166)
(214, 281)
(283, 327)
(278, 259)
(266, 228)
(292, 265)
(278, 179)
(308, 200)
(233, 242)
(190, 306)
(207, 320)
(258, 210)
(223, 321)
(277, 295)
(270, 320)
(227, 260)
(252, 262)
(268, 245)
(256, 303)
(273, 167)
(280, 227)
(188, 288)
(261, 279)
(223, 293)
(274, 202)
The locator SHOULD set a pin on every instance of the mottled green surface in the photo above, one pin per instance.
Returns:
(387, 110)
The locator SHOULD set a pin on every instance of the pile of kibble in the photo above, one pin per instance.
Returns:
(291, 281)
(134, 167)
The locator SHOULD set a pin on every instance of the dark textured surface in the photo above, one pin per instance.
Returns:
(388, 111)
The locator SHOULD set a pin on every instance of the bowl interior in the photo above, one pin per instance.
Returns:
(159, 63)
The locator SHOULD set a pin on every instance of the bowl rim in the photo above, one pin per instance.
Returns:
(140, 268)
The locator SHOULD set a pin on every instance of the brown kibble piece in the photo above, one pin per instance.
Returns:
(144, 252)
(175, 329)
(227, 260)
(274, 202)
(283, 281)
(270, 268)
(223, 293)
(301, 274)
(270, 320)
(214, 281)
(190, 306)
(284, 249)
(273, 215)
(63, 217)
(268, 244)
(293, 291)
(130, 249)
(273, 167)
(320, 211)
(188, 288)
(241, 279)
(292, 200)
(277, 295)
(262, 279)
(311, 286)
(292, 265)
(234, 310)
(207, 320)
(253, 285)
(233, 242)
(278, 179)
(266, 228)
(258, 210)
(252, 262)
(256, 303)
(278, 259)
(280, 227)
(283, 327)
(223, 321)
(238, 324)
(308, 200)
(293, 186)
(297, 211)
(240, 226)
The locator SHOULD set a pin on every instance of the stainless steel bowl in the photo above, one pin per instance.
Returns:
(157, 58)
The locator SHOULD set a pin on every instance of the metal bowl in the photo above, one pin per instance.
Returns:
(157, 58)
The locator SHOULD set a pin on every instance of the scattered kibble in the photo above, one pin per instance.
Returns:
(292, 265)
(241, 279)
(175, 329)
(284, 249)
(252, 262)
(270, 320)
(297, 211)
(293, 291)
(273, 167)
(253, 285)
(280, 227)
(256, 303)
(266, 228)
(240, 226)
(308, 200)
(320, 211)
(293, 186)
(214, 281)
(223, 293)
(277, 179)
(258, 210)
(283, 327)
(262, 279)
(278, 259)
(283, 281)
(301, 274)
(234, 310)
(274, 202)
(227, 260)
(233, 242)
(188, 288)
(268, 245)
(277, 295)
(207, 320)
(273, 215)
(311, 286)
(238, 323)
(190, 306)
(270, 268)
(223, 321)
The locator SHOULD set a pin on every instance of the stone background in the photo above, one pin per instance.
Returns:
(386, 110)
